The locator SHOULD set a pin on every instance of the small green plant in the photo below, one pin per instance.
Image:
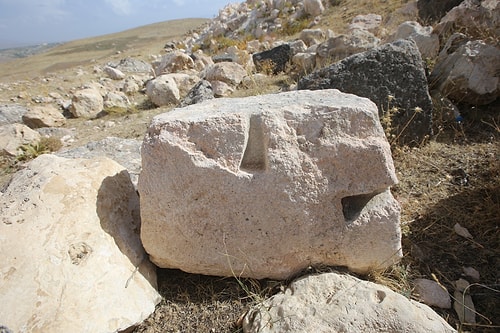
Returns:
(46, 145)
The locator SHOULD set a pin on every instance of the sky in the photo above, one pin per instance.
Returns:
(29, 22)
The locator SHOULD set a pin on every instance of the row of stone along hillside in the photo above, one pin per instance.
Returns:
(463, 48)
(257, 187)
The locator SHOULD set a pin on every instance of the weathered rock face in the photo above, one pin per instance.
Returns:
(339, 47)
(86, 103)
(313, 7)
(72, 260)
(11, 113)
(266, 186)
(479, 18)
(201, 91)
(274, 60)
(332, 302)
(427, 42)
(163, 90)
(44, 116)
(468, 72)
(14, 135)
(395, 70)
(174, 62)
(228, 72)
(113, 73)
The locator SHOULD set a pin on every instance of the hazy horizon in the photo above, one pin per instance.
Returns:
(34, 22)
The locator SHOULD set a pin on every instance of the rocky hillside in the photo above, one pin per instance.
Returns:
(316, 190)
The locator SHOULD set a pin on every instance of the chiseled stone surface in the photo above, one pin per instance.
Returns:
(265, 186)
(72, 260)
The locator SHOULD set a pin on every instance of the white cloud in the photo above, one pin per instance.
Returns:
(120, 7)
(180, 2)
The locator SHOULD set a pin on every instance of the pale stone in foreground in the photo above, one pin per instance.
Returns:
(72, 260)
(332, 302)
(266, 186)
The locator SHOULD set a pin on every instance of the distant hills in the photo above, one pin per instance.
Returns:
(8, 54)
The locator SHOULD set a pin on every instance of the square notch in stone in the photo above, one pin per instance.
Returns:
(255, 154)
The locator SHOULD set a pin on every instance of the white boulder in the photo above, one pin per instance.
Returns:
(72, 260)
(113, 73)
(427, 42)
(86, 103)
(228, 72)
(163, 90)
(265, 186)
(332, 302)
(468, 72)
(313, 7)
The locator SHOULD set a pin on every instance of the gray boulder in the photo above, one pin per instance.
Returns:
(201, 91)
(11, 114)
(392, 76)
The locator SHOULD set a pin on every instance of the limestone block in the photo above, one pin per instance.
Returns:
(265, 186)
(72, 260)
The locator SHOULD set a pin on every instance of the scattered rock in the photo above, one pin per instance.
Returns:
(79, 221)
(479, 18)
(313, 7)
(174, 62)
(221, 89)
(44, 116)
(463, 304)
(392, 72)
(163, 90)
(131, 65)
(433, 294)
(368, 22)
(116, 99)
(12, 136)
(228, 72)
(274, 60)
(332, 302)
(467, 72)
(113, 73)
(304, 62)
(11, 114)
(339, 47)
(427, 42)
(86, 103)
(201, 91)
(471, 273)
(461, 231)
(312, 36)
(294, 179)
